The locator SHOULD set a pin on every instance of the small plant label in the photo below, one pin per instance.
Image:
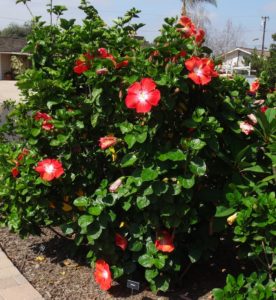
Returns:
(133, 285)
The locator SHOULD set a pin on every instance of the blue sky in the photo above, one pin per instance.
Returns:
(247, 13)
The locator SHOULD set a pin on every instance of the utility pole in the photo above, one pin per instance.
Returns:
(264, 29)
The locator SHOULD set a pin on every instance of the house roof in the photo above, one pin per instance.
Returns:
(12, 45)
(247, 51)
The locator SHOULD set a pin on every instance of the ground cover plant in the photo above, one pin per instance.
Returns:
(143, 154)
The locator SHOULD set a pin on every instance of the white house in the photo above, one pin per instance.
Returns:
(11, 47)
(236, 60)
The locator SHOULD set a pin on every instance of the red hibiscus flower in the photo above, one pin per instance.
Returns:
(102, 274)
(246, 127)
(15, 172)
(254, 86)
(142, 95)
(103, 53)
(120, 241)
(49, 169)
(23, 153)
(200, 35)
(83, 63)
(45, 117)
(107, 141)
(164, 242)
(80, 67)
(122, 64)
(188, 28)
(263, 108)
(201, 70)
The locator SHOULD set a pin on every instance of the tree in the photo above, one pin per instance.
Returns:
(190, 3)
(15, 30)
(272, 62)
(228, 38)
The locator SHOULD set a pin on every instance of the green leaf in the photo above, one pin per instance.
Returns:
(187, 181)
(135, 246)
(174, 155)
(117, 271)
(198, 166)
(150, 274)
(81, 201)
(222, 211)
(55, 143)
(160, 261)
(130, 140)
(197, 144)
(35, 131)
(142, 202)
(95, 210)
(255, 169)
(146, 261)
(128, 160)
(149, 174)
(85, 220)
(67, 228)
(140, 138)
(126, 127)
(94, 119)
(94, 232)
(218, 294)
(195, 254)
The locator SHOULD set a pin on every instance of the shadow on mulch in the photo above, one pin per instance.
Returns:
(194, 285)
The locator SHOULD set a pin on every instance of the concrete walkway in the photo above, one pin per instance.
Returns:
(13, 285)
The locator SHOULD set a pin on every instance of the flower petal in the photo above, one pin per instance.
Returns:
(147, 84)
(154, 97)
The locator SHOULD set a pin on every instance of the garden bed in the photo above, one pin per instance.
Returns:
(46, 262)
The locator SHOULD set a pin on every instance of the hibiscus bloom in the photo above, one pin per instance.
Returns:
(80, 66)
(142, 95)
(200, 35)
(252, 118)
(107, 141)
(49, 169)
(246, 127)
(103, 53)
(102, 274)
(102, 71)
(120, 241)
(115, 185)
(263, 108)
(15, 172)
(254, 86)
(188, 28)
(45, 118)
(201, 70)
(164, 242)
(122, 64)
(23, 153)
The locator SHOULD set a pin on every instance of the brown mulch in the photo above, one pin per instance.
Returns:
(45, 262)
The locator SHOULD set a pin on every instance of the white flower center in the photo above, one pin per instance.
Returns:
(49, 169)
(143, 96)
(198, 71)
(105, 274)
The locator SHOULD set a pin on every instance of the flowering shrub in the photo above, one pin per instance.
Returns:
(131, 150)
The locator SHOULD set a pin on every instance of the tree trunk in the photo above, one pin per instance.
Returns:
(183, 9)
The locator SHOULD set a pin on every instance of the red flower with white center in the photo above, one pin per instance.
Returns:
(107, 141)
(15, 172)
(142, 95)
(49, 169)
(246, 127)
(115, 185)
(188, 28)
(102, 274)
(120, 241)
(102, 71)
(45, 117)
(252, 118)
(122, 64)
(200, 35)
(164, 242)
(263, 108)
(201, 70)
(254, 86)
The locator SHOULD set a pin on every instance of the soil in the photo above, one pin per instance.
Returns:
(45, 262)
